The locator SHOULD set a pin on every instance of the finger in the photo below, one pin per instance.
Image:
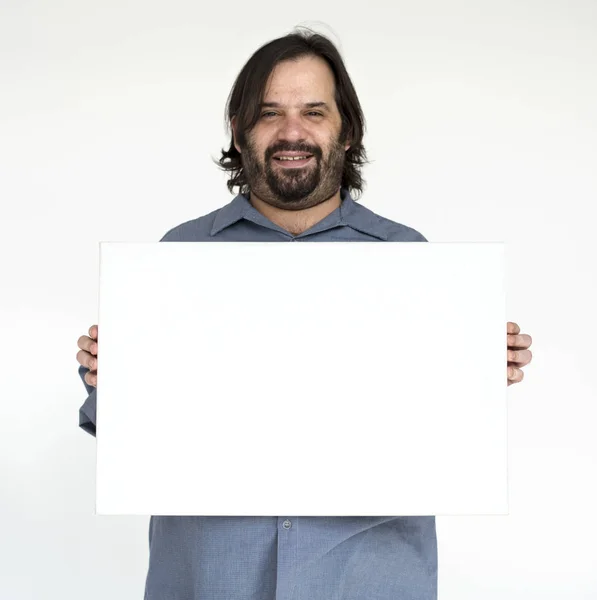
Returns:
(84, 342)
(521, 341)
(91, 378)
(83, 357)
(93, 332)
(520, 357)
(87, 344)
(86, 359)
(515, 374)
(512, 328)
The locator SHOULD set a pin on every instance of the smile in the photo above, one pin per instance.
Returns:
(292, 162)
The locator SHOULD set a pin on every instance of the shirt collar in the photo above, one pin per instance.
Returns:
(348, 214)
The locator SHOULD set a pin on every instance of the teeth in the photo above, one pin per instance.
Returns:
(291, 157)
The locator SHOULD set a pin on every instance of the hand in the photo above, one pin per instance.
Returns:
(87, 355)
(518, 354)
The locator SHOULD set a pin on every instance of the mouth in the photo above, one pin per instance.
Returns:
(292, 161)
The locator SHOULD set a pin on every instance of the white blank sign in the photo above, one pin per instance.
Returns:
(310, 379)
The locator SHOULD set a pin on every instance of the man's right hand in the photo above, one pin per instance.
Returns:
(87, 355)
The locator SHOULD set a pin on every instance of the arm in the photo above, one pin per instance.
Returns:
(87, 412)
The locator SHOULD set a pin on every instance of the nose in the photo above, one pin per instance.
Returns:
(292, 129)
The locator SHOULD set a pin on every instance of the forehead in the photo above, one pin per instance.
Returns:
(307, 79)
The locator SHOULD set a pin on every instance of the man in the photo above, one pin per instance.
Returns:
(295, 153)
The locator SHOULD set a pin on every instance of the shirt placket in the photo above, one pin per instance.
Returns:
(287, 557)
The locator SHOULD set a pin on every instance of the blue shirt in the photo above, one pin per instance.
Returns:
(287, 557)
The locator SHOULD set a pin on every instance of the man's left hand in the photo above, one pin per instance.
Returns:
(518, 353)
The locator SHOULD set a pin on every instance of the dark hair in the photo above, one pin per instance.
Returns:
(247, 94)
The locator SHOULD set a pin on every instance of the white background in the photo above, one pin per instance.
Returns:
(482, 127)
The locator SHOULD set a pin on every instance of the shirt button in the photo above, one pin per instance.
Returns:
(287, 524)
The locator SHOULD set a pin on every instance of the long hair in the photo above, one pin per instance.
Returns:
(247, 94)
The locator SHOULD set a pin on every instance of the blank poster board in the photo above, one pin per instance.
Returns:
(310, 379)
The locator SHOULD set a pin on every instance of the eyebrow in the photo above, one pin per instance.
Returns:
(306, 105)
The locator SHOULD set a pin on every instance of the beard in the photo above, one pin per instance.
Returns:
(294, 188)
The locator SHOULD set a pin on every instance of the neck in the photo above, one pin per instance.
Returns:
(296, 221)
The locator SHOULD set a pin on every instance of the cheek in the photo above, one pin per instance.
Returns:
(259, 140)
(259, 152)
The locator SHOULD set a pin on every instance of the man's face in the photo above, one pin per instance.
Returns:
(299, 116)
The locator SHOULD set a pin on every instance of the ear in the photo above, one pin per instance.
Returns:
(348, 140)
(233, 124)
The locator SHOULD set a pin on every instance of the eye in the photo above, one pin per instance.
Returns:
(314, 112)
(268, 113)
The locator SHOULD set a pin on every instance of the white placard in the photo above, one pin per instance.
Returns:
(308, 379)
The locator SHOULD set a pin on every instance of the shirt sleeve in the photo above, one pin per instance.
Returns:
(87, 411)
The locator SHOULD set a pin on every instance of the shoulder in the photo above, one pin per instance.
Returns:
(398, 232)
(195, 230)
(392, 231)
